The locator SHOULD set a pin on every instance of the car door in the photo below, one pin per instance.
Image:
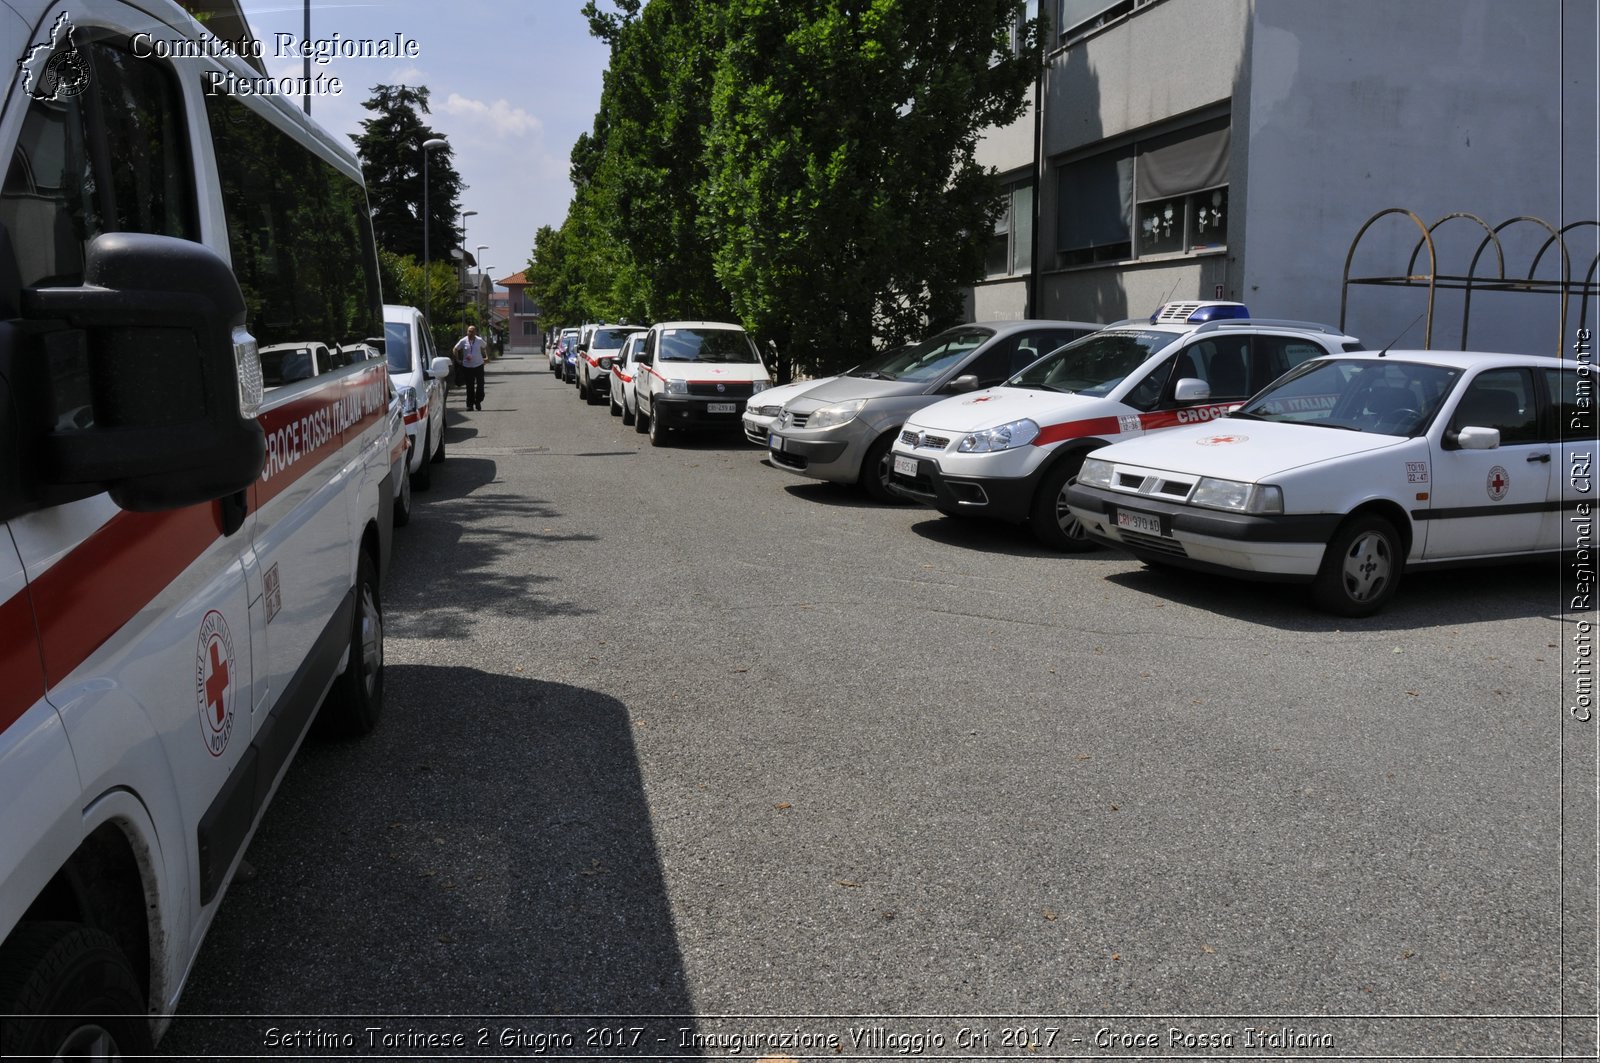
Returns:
(1486, 502)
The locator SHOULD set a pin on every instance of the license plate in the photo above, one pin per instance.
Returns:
(1139, 522)
(905, 466)
(722, 407)
(775, 442)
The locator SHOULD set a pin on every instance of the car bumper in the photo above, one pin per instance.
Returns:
(1287, 547)
(1003, 498)
(414, 430)
(679, 412)
(819, 457)
(758, 428)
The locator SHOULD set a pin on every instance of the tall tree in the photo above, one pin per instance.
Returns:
(842, 197)
(390, 146)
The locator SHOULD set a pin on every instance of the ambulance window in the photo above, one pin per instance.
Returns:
(299, 234)
(1574, 409)
(110, 158)
(1503, 399)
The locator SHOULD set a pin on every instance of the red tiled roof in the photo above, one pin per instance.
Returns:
(516, 278)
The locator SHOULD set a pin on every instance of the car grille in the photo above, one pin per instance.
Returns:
(1154, 486)
(765, 411)
(1153, 543)
(922, 440)
(795, 420)
(730, 390)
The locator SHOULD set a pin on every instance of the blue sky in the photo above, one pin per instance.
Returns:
(513, 83)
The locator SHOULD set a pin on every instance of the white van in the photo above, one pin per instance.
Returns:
(695, 374)
(190, 560)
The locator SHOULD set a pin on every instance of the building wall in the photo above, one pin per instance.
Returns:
(1431, 105)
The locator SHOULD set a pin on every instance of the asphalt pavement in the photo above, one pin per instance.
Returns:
(674, 733)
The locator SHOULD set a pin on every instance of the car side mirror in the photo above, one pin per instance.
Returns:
(964, 383)
(176, 379)
(1475, 438)
(645, 359)
(439, 368)
(1191, 389)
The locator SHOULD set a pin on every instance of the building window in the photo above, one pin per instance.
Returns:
(1078, 18)
(530, 328)
(1159, 195)
(1011, 247)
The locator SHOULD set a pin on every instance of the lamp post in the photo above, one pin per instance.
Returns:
(427, 288)
(478, 258)
(488, 325)
(463, 278)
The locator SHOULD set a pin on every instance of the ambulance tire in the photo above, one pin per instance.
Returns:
(402, 502)
(1361, 567)
(611, 402)
(422, 479)
(438, 451)
(1050, 521)
(68, 992)
(634, 416)
(354, 704)
(657, 430)
(583, 389)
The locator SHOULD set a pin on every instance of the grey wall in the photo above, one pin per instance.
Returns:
(1437, 106)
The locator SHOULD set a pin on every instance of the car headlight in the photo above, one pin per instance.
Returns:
(677, 387)
(837, 414)
(408, 398)
(1095, 472)
(759, 386)
(1005, 437)
(1236, 497)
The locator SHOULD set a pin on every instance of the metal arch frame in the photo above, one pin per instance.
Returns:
(1434, 280)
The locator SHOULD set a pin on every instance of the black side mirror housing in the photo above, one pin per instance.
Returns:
(157, 320)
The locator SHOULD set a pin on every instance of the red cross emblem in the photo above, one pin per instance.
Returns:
(1499, 483)
(213, 679)
(217, 683)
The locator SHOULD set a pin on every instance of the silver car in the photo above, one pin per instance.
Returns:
(842, 430)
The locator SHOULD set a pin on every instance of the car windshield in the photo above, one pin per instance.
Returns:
(397, 341)
(707, 345)
(1094, 365)
(609, 338)
(925, 361)
(1388, 396)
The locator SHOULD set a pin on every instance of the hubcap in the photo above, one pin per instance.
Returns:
(1070, 526)
(89, 1042)
(1367, 566)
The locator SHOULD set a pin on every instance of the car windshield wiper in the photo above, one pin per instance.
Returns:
(869, 374)
(1241, 415)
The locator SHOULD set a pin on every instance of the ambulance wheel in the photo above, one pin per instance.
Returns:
(1360, 568)
(402, 502)
(438, 451)
(68, 992)
(583, 389)
(1052, 522)
(611, 403)
(356, 700)
(631, 417)
(877, 468)
(658, 431)
(422, 478)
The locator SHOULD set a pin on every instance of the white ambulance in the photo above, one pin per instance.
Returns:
(189, 560)
(1010, 452)
(695, 375)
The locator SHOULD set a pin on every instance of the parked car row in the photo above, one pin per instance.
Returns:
(1198, 438)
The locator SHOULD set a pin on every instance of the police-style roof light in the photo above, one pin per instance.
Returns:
(1199, 313)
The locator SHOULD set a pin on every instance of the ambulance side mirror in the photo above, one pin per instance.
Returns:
(1191, 389)
(439, 368)
(175, 380)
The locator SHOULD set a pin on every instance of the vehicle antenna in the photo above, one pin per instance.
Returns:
(1384, 353)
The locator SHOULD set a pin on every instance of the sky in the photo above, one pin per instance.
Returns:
(513, 84)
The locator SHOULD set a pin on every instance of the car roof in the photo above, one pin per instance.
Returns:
(398, 312)
(1459, 359)
(697, 324)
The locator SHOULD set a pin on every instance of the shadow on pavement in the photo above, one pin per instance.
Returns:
(487, 853)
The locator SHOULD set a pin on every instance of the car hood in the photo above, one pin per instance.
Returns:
(851, 388)
(1235, 449)
(779, 395)
(978, 410)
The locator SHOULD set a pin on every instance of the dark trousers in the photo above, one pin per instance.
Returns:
(472, 380)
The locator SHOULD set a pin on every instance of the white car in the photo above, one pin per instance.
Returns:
(1353, 468)
(695, 374)
(567, 341)
(399, 463)
(595, 360)
(421, 376)
(759, 417)
(624, 368)
(1010, 452)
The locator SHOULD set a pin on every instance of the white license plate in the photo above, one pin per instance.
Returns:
(775, 441)
(722, 407)
(905, 466)
(1139, 522)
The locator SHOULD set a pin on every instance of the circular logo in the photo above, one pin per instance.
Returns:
(215, 686)
(1499, 483)
(721, 388)
(65, 76)
(1221, 441)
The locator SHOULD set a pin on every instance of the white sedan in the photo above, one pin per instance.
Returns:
(762, 410)
(1350, 469)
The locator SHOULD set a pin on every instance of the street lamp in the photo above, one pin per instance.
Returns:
(463, 278)
(427, 288)
(479, 286)
(488, 329)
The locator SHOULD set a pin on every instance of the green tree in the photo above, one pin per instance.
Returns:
(390, 146)
(842, 196)
(403, 282)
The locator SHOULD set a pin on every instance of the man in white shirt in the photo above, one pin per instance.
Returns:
(470, 356)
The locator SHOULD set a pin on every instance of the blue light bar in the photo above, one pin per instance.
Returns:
(1219, 312)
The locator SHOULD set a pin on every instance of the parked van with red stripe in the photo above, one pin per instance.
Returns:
(189, 556)
(695, 374)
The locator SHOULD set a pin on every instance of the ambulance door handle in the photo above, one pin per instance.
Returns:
(1545, 457)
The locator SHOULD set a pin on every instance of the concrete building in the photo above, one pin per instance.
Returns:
(522, 322)
(1196, 149)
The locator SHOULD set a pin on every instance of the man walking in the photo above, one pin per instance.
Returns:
(469, 351)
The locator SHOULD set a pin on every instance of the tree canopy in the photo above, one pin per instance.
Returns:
(806, 167)
(390, 147)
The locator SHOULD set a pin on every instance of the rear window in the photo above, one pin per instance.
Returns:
(397, 341)
(609, 338)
